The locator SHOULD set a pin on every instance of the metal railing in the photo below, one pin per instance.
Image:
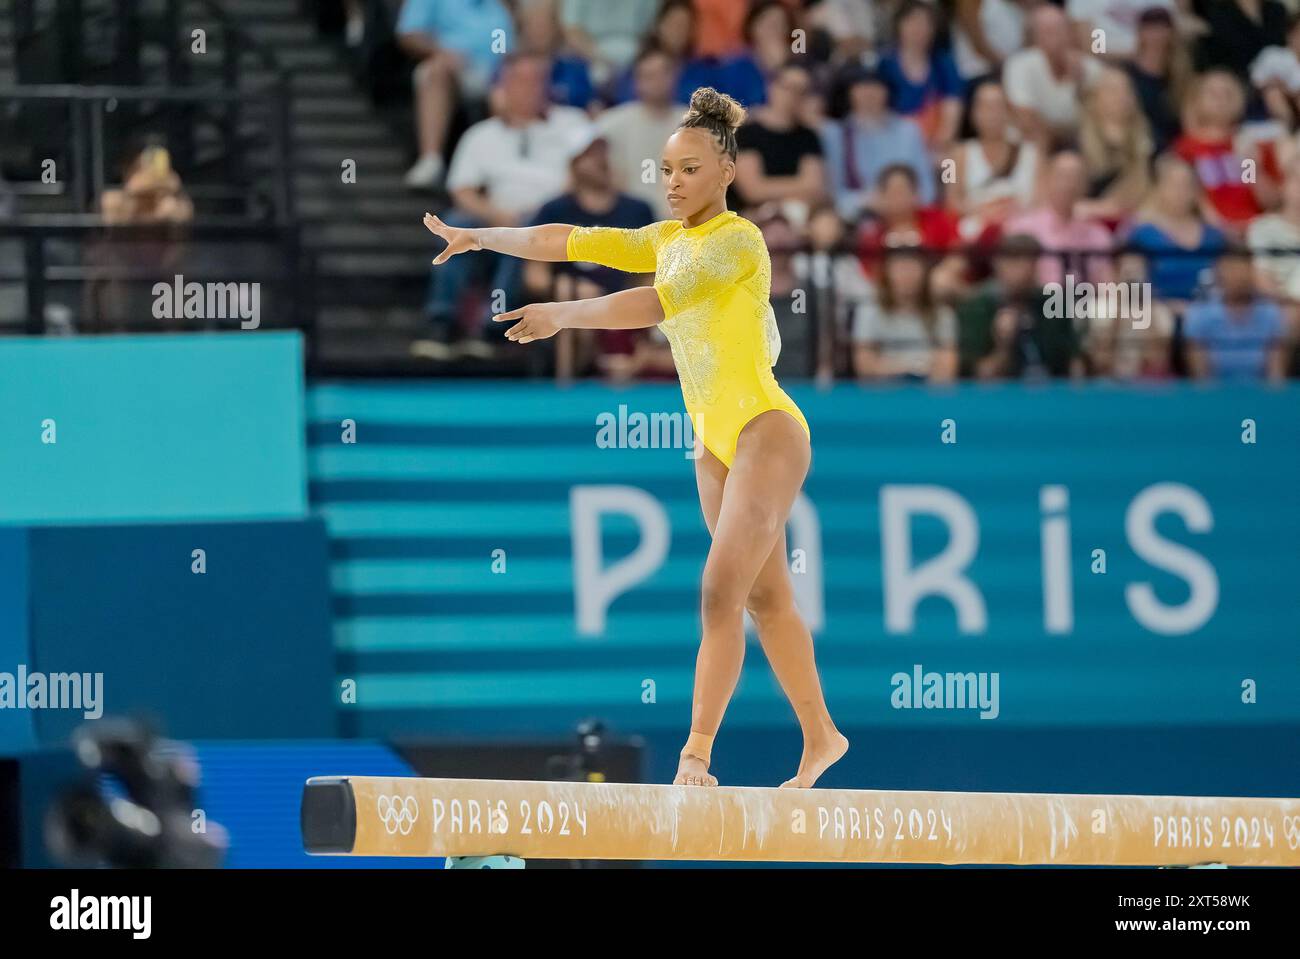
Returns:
(87, 106)
(60, 251)
(53, 257)
(224, 106)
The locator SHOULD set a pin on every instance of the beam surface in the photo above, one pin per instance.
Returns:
(381, 816)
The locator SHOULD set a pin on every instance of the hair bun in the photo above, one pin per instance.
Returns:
(709, 105)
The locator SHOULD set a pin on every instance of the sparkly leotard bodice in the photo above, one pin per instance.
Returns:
(714, 282)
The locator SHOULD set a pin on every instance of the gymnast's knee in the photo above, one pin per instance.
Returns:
(767, 604)
(720, 601)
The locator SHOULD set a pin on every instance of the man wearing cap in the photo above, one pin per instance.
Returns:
(593, 199)
(503, 169)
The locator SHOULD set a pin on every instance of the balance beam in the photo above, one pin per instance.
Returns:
(380, 816)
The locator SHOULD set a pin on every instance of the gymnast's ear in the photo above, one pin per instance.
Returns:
(728, 171)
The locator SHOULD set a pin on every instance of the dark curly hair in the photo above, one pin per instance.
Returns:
(717, 113)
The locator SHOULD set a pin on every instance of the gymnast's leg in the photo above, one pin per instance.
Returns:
(784, 636)
(772, 457)
(788, 646)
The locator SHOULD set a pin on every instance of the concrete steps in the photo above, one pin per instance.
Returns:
(371, 253)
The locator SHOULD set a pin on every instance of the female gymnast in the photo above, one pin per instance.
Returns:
(710, 298)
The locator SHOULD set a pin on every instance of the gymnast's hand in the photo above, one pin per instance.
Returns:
(458, 240)
(536, 321)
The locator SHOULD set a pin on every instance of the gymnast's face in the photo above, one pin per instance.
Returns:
(696, 172)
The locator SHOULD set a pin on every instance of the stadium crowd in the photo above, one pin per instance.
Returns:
(924, 172)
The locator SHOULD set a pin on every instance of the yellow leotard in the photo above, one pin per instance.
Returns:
(714, 282)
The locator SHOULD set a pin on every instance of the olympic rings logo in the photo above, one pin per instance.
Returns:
(1291, 831)
(398, 813)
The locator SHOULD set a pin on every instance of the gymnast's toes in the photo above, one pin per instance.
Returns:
(817, 758)
(693, 772)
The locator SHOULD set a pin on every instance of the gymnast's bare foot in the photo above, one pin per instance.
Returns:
(692, 771)
(820, 752)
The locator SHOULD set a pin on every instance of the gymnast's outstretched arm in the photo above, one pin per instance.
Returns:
(625, 310)
(546, 242)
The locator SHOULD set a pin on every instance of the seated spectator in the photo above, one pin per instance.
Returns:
(452, 45)
(503, 168)
(1116, 146)
(1004, 331)
(835, 283)
(923, 82)
(720, 28)
(1161, 71)
(606, 34)
(770, 38)
(1134, 342)
(1114, 22)
(1275, 240)
(1074, 244)
(1237, 31)
(671, 35)
(996, 172)
(592, 200)
(1211, 120)
(789, 305)
(637, 130)
(539, 33)
(122, 272)
(628, 355)
(985, 33)
(849, 25)
(1046, 81)
(900, 333)
(151, 193)
(779, 160)
(745, 73)
(868, 139)
(1180, 247)
(1275, 74)
(1238, 334)
(902, 221)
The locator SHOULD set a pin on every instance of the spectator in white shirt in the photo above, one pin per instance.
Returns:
(503, 169)
(900, 333)
(996, 173)
(1275, 73)
(507, 166)
(850, 24)
(1275, 240)
(1046, 82)
(986, 32)
(637, 130)
(1109, 28)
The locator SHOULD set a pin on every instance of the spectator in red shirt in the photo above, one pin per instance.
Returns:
(1236, 191)
(901, 221)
